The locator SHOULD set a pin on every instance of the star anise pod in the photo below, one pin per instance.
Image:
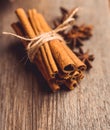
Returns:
(79, 33)
(75, 37)
(65, 13)
(76, 34)
(85, 57)
(85, 31)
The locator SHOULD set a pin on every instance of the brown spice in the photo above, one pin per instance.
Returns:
(71, 84)
(85, 57)
(57, 63)
(65, 13)
(76, 37)
(78, 34)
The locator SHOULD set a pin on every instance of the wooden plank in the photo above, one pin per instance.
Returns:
(15, 90)
(25, 102)
(88, 105)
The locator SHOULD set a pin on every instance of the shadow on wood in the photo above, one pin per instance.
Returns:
(20, 54)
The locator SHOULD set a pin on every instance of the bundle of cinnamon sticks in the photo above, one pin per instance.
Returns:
(57, 63)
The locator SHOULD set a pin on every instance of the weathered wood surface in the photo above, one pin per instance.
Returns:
(25, 103)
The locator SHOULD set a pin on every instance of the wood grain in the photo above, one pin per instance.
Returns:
(25, 102)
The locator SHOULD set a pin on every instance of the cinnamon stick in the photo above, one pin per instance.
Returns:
(19, 30)
(71, 84)
(75, 74)
(63, 60)
(45, 49)
(78, 63)
(25, 22)
(42, 68)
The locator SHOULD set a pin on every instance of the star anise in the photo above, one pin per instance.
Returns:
(76, 34)
(75, 37)
(65, 13)
(85, 57)
(79, 33)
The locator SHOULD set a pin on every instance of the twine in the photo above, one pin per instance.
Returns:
(35, 43)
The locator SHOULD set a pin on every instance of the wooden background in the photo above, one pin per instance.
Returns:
(25, 102)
